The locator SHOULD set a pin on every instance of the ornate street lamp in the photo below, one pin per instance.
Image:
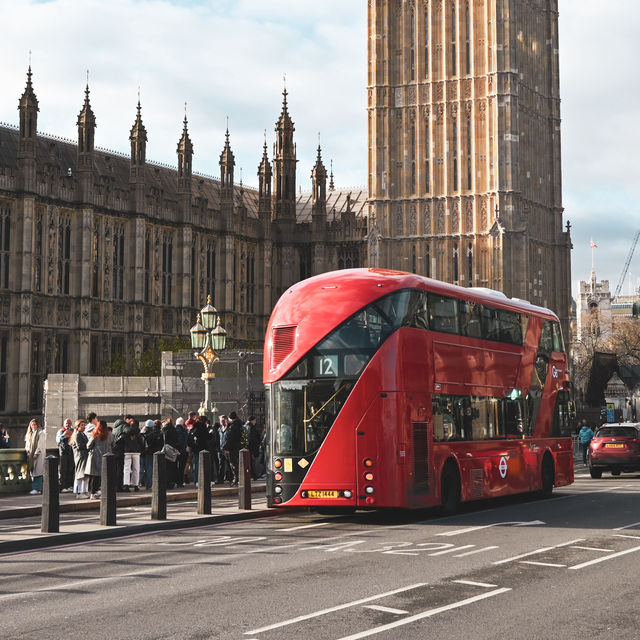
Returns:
(208, 339)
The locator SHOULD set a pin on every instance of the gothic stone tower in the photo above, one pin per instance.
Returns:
(464, 145)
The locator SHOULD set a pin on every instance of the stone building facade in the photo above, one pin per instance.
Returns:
(464, 145)
(103, 254)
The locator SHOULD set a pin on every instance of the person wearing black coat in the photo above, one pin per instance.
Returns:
(233, 445)
(133, 445)
(170, 437)
(197, 441)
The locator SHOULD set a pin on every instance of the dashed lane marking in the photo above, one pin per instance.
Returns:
(609, 557)
(305, 526)
(470, 553)
(542, 550)
(339, 607)
(577, 546)
(542, 564)
(477, 584)
(377, 607)
(425, 614)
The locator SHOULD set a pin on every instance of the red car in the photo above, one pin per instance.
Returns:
(615, 448)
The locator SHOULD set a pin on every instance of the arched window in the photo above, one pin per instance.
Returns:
(467, 41)
(426, 44)
(454, 151)
(414, 260)
(469, 172)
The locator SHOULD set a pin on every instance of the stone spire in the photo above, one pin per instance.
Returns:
(227, 163)
(319, 180)
(86, 133)
(28, 108)
(264, 184)
(138, 138)
(185, 158)
(331, 185)
(284, 165)
(86, 126)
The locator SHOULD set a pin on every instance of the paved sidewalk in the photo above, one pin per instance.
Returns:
(20, 516)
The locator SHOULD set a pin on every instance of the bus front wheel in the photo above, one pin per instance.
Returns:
(450, 489)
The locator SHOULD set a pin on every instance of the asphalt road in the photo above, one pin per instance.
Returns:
(566, 568)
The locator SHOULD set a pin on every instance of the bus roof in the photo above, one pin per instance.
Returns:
(319, 304)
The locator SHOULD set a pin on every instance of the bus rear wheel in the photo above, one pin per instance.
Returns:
(450, 489)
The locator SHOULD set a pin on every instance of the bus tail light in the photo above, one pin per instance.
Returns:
(369, 500)
(368, 476)
(304, 494)
(347, 494)
(277, 489)
(278, 463)
(368, 463)
(278, 477)
(369, 490)
(277, 500)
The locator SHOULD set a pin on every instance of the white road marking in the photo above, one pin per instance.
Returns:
(377, 607)
(441, 553)
(305, 526)
(628, 526)
(458, 532)
(339, 607)
(542, 550)
(619, 535)
(424, 614)
(591, 548)
(477, 584)
(470, 553)
(609, 557)
(542, 564)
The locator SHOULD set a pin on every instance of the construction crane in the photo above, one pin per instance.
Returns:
(623, 275)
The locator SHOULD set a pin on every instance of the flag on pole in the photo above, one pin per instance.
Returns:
(593, 244)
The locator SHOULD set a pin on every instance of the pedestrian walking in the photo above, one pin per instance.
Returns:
(170, 437)
(254, 439)
(35, 446)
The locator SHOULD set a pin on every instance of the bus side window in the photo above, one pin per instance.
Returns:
(443, 313)
(490, 325)
(470, 323)
(510, 327)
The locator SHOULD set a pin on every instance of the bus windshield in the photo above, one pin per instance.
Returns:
(308, 399)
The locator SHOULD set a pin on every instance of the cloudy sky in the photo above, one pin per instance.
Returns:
(228, 58)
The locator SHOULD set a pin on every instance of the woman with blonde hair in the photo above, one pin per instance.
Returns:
(80, 454)
(36, 448)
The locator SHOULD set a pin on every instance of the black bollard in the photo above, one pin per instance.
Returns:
(244, 473)
(108, 488)
(204, 483)
(159, 487)
(50, 497)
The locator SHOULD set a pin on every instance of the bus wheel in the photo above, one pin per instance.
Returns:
(615, 472)
(450, 489)
(547, 474)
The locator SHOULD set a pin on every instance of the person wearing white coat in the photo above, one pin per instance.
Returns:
(36, 448)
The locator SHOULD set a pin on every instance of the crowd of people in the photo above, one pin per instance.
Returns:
(83, 443)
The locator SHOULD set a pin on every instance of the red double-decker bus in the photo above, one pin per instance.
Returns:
(389, 389)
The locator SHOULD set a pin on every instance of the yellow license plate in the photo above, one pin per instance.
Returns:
(322, 494)
(610, 445)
